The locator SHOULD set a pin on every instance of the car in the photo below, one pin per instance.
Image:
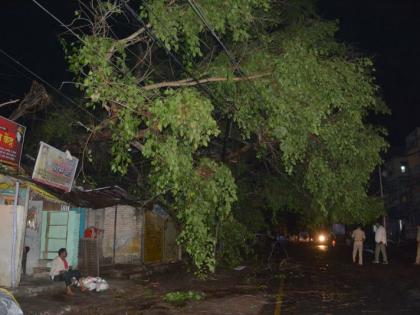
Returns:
(304, 237)
(324, 238)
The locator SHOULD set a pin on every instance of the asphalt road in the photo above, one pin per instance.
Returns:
(316, 281)
(327, 282)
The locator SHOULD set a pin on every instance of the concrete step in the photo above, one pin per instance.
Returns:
(32, 286)
(44, 275)
(128, 271)
(43, 262)
(41, 272)
(139, 275)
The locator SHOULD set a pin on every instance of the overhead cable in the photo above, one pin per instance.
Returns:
(199, 12)
(45, 82)
(204, 88)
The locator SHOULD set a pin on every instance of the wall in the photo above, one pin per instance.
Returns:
(128, 232)
(6, 228)
(159, 235)
(33, 234)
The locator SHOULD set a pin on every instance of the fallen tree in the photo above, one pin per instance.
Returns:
(209, 95)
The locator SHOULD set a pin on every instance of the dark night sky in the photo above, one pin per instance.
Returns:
(30, 35)
(388, 30)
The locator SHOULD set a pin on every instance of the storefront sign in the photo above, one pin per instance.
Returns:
(11, 142)
(55, 168)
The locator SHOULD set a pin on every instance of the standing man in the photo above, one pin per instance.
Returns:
(418, 245)
(380, 240)
(358, 237)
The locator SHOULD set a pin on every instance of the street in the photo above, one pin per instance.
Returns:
(316, 281)
(328, 283)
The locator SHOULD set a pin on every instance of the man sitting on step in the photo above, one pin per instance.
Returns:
(61, 271)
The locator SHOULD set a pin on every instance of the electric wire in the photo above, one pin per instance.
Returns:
(199, 12)
(35, 75)
(203, 18)
(79, 38)
(203, 88)
(57, 19)
(23, 74)
(153, 36)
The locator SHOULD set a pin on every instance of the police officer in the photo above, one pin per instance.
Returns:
(358, 237)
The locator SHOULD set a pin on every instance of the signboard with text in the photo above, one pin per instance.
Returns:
(11, 142)
(55, 168)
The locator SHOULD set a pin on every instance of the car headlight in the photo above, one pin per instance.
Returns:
(321, 238)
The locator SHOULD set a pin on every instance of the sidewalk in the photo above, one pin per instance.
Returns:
(30, 286)
(227, 292)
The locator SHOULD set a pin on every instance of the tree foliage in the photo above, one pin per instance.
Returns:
(293, 101)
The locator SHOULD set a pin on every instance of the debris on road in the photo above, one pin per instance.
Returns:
(95, 284)
(179, 298)
(239, 268)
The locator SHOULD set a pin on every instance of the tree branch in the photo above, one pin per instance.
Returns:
(127, 41)
(9, 102)
(192, 82)
(36, 100)
(133, 38)
(234, 156)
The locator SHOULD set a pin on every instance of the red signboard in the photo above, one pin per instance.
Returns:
(11, 142)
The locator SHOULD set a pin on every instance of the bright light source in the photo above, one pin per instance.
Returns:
(321, 238)
(322, 248)
(403, 169)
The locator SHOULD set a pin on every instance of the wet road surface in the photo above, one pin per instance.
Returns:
(316, 281)
(327, 282)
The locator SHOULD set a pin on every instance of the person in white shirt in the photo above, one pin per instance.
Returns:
(62, 271)
(358, 237)
(418, 245)
(380, 240)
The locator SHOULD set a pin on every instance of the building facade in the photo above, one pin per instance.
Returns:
(401, 183)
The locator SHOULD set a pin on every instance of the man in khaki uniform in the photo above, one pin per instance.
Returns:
(418, 245)
(358, 238)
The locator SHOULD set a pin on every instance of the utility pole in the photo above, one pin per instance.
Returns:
(382, 192)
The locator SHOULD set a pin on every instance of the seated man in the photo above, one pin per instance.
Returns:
(61, 271)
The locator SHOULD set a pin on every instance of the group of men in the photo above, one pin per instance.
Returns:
(359, 237)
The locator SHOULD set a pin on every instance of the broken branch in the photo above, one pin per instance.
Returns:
(127, 41)
(9, 102)
(192, 82)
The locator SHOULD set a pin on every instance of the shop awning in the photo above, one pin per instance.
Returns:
(100, 197)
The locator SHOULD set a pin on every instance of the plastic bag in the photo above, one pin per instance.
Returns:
(95, 283)
(101, 285)
(89, 283)
(8, 304)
